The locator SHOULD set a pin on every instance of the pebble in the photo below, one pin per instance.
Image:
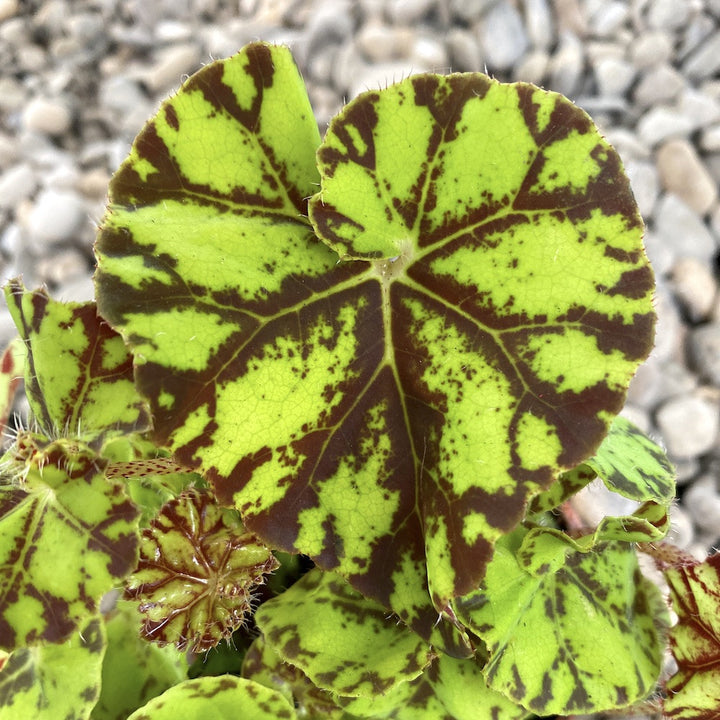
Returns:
(659, 84)
(662, 122)
(502, 36)
(407, 12)
(540, 24)
(533, 68)
(56, 217)
(652, 48)
(710, 139)
(566, 65)
(656, 381)
(170, 65)
(47, 116)
(694, 287)
(609, 18)
(703, 345)
(703, 502)
(689, 425)
(645, 184)
(8, 8)
(704, 62)
(669, 330)
(681, 172)
(380, 43)
(464, 51)
(683, 232)
(16, 184)
(667, 14)
(681, 527)
(469, 11)
(613, 76)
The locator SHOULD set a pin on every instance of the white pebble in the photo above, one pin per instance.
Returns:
(702, 501)
(16, 184)
(644, 183)
(682, 172)
(661, 122)
(407, 12)
(502, 36)
(689, 425)
(566, 65)
(695, 288)
(49, 117)
(682, 231)
(705, 61)
(658, 84)
(56, 217)
(652, 48)
(540, 24)
(170, 65)
(710, 139)
(8, 8)
(614, 76)
(667, 14)
(464, 51)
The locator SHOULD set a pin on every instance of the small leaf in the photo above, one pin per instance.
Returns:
(263, 665)
(197, 571)
(694, 690)
(582, 633)
(562, 489)
(217, 697)
(342, 641)
(79, 375)
(67, 535)
(631, 464)
(133, 671)
(54, 681)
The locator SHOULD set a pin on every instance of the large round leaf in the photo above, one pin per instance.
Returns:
(388, 418)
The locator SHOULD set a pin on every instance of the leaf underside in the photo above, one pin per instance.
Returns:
(694, 691)
(388, 416)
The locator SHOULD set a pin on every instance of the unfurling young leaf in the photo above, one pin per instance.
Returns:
(197, 571)
(693, 693)
(390, 416)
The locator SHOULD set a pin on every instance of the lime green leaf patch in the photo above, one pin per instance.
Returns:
(694, 691)
(217, 697)
(391, 417)
(54, 681)
(343, 642)
(67, 535)
(631, 464)
(197, 572)
(584, 634)
(79, 375)
(12, 363)
(133, 670)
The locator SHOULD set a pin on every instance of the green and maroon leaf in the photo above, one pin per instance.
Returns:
(562, 489)
(197, 572)
(133, 670)
(694, 690)
(78, 375)
(391, 418)
(345, 643)
(217, 697)
(67, 536)
(450, 689)
(55, 681)
(263, 665)
(585, 631)
(631, 464)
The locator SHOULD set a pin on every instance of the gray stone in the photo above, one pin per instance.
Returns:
(8, 8)
(652, 48)
(539, 23)
(695, 32)
(16, 184)
(656, 381)
(570, 17)
(689, 424)
(698, 107)
(330, 23)
(659, 84)
(380, 43)
(613, 76)
(47, 116)
(669, 331)
(703, 345)
(464, 51)
(695, 288)
(705, 61)
(407, 12)
(375, 77)
(682, 172)
(710, 139)
(566, 65)
(533, 67)
(429, 52)
(502, 36)
(644, 183)
(681, 528)
(169, 66)
(56, 217)
(684, 233)
(702, 501)
(609, 18)
(469, 10)
(668, 14)
(661, 122)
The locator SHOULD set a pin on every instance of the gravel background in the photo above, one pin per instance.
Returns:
(79, 78)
